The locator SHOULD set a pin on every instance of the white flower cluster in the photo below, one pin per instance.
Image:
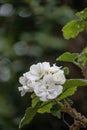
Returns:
(44, 80)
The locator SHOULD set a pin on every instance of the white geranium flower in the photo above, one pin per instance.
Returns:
(23, 80)
(59, 77)
(46, 66)
(44, 80)
(54, 69)
(26, 85)
(47, 89)
(37, 71)
(31, 76)
(23, 90)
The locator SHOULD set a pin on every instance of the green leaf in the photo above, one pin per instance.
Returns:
(73, 28)
(29, 115)
(66, 70)
(74, 82)
(82, 59)
(35, 100)
(56, 113)
(45, 107)
(70, 101)
(70, 87)
(67, 93)
(56, 110)
(82, 14)
(67, 56)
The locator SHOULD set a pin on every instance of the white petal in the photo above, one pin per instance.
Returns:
(36, 69)
(32, 77)
(47, 93)
(54, 69)
(48, 79)
(59, 77)
(39, 89)
(20, 88)
(53, 93)
(22, 80)
(43, 98)
(46, 66)
(23, 90)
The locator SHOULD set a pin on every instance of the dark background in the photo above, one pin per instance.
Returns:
(30, 32)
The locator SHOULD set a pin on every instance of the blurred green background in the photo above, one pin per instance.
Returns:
(30, 32)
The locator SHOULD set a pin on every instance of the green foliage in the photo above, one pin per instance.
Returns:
(68, 92)
(45, 107)
(29, 115)
(74, 82)
(82, 59)
(79, 59)
(66, 70)
(74, 27)
(35, 100)
(82, 14)
(68, 57)
(70, 87)
(56, 110)
(70, 101)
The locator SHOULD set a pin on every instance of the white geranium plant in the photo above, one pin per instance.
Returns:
(42, 79)
(48, 85)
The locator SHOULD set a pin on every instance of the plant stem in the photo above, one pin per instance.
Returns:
(84, 71)
(80, 121)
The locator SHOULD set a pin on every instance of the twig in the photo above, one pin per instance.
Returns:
(80, 121)
(76, 125)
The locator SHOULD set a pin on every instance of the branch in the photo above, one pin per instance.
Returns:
(80, 121)
(77, 125)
